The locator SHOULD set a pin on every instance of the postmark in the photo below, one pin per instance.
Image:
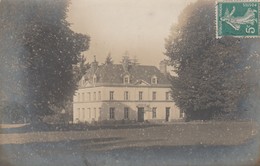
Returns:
(238, 18)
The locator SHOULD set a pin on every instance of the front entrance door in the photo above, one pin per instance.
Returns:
(140, 114)
(167, 114)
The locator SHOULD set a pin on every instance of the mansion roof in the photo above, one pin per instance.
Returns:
(114, 74)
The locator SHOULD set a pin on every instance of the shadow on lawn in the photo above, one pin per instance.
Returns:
(67, 145)
(199, 154)
(244, 154)
(39, 152)
(44, 127)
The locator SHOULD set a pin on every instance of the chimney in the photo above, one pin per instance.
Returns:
(163, 67)
(94, 65)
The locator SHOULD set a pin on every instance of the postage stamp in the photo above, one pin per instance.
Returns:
(238, 18)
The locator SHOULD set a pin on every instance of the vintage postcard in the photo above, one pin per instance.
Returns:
(129, 83)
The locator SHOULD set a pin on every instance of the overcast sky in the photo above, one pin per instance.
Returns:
(136, 26)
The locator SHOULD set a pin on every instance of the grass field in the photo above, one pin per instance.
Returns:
(24, 145)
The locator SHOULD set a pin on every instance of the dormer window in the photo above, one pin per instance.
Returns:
(154, 80)
(94, 79)
(126, 79)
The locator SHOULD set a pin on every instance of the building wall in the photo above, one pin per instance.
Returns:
(86, 106)
(98, 108)
(134, 93)
(133, 108)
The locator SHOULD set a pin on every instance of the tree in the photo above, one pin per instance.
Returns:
(37, 54)
(109, 60)
(250, 104)
(210, 72)
(135, 61)
(126, 59)
(81, 68)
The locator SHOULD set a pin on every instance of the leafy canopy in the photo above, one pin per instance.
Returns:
(37, 53)
(210, 72)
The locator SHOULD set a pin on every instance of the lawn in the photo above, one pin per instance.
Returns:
(107, 145)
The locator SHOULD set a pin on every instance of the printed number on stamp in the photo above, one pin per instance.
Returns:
(237, 18)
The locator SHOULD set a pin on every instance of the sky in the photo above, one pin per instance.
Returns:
(137, 28)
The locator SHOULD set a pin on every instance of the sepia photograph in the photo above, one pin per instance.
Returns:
(129, 82)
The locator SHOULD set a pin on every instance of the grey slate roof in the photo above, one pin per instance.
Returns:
(114, 73)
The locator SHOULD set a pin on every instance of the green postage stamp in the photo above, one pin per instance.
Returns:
(239, 18)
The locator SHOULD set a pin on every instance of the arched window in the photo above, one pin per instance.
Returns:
(154, 80)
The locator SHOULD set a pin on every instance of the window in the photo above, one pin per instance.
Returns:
(154, 96)
(111, 95)
(154, 112)
(126, 113)
(126, 79)
(167, 114)
(83, 96)
(94, 96)
(140, 95)
(94, 79)
(95, 113)
(78, 97)
(89, 112)
(89, 96)
(126, 96)
(83, 114)
(99, 113)
(112, 113)
(167, 95)
(154, 80)
(79, 113)
(99, 95)
(182, 114)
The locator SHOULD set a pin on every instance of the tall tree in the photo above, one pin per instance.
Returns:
(81, 68)
(37, 54)
(109, 60)
(210, 72)
(250, 104)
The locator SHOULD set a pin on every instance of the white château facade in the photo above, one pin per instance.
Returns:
(124, 91)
